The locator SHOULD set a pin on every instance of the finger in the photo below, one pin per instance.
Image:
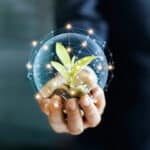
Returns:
(99, 99)
(44, 105)
(74, 119)
(56, 117)
(92, 115)
(48, 89)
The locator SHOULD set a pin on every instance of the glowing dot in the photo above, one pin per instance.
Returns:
(48, 66)
(99, 67)
(55, 83)
(69, 49)
(56, 104)
(65, 112)
(34, 43)
(72, 92)
(90, 31)
(29, 66)
(95, 101)
(45, 47)
(84, 44)
(68, 26)
(110, 67)
(38, 97)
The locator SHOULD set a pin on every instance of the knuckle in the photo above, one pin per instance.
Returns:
(85, 101)
(58, 130)
(55, 104)
(44, 106)
(98, 92)
(77, 131)
(95, 122)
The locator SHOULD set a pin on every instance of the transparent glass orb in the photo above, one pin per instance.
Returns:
(79, 43)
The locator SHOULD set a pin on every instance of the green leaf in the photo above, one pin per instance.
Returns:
(60, 68)
(63, 54)
(80, 64)
(73, 60)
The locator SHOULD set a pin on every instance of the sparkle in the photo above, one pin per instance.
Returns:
(56, 104)
(95, 101)
(90, 31)
(45, 47)
(29, 66)
(84, 44)
(72, 92)
(48, 66)
(110, 67)
(99, 67)
(65, 112)
(34, 43)
(68, 26)
(55, 83)
(38, 96)
(69, 49)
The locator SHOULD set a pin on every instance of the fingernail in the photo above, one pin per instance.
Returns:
(72, 106)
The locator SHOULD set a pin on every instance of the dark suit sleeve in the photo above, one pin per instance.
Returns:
(81, 13)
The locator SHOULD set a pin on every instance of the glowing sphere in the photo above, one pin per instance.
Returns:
(78, 43)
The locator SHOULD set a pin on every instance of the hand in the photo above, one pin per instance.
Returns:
(80, 114)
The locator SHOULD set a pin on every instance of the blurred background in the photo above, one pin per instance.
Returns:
(126, 121)
(21, 122)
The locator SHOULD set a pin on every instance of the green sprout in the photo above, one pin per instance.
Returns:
(69, 67)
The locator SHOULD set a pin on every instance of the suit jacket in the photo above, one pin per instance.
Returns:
(125, 25)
